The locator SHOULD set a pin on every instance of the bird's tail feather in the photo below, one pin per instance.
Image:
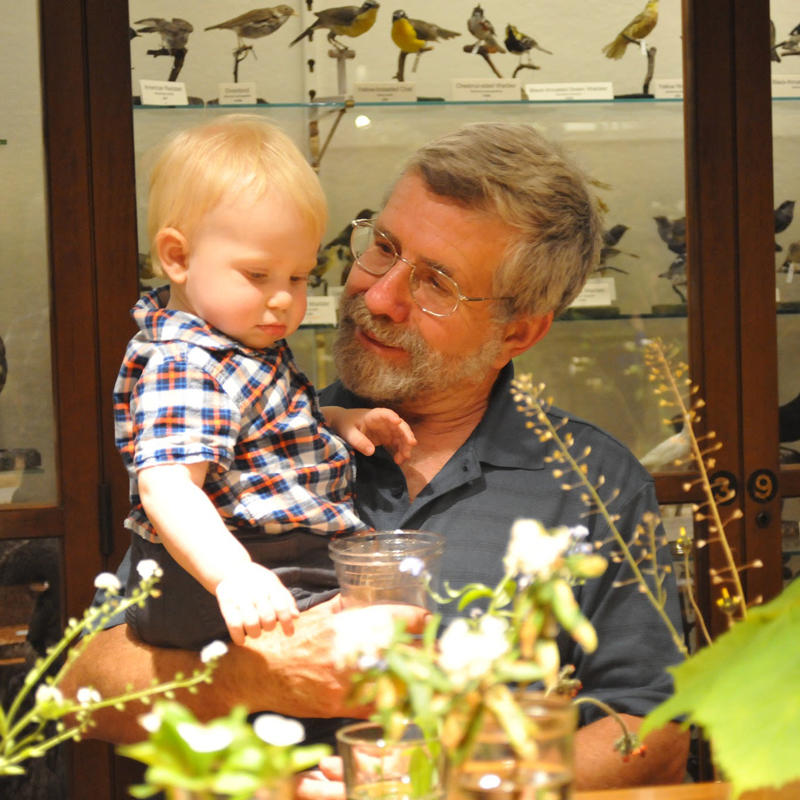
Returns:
(306, 32)
(616, 49)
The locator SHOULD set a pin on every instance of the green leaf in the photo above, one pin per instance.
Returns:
(743, 691)
(421, 771)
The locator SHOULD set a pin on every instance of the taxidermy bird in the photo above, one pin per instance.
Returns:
(784, 214)
(336, 253)
(673, 233)
(676, 274)
(255, 24)
(634, 32)
(792, 259)
(677, 446)
(174, 32)
(613, 235)
(415, 36)
(792, 44)
(483, 31)
(521, 44)
(773, 48)
(609, 250)
(343, 21)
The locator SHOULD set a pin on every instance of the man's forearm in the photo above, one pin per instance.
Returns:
(599, 766)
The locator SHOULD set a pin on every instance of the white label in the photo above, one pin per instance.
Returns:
(163, 93)
(790, 273)
(786, 86)
(777, 295)
(486, 89)
(320, 311)
(388, 92)
(598, 90)
(596, 292)
(237, 94)
(668, 89)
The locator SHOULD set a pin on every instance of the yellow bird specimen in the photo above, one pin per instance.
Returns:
(413, 35)
(639, 27)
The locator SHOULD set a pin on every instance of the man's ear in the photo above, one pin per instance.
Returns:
(172, 249)
(520, 335)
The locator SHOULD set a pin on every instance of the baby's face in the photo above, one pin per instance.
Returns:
(248, 269)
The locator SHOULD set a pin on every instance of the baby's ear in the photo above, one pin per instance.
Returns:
(172, 249)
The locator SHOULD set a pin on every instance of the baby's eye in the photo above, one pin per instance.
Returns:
(256, 277)
(299, 278)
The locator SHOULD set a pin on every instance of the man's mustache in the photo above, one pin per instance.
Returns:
(354, 309)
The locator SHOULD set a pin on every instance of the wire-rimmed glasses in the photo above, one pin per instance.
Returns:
(433, 291)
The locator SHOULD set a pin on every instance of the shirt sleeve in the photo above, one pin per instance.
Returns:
(181, 414)
(629, 668)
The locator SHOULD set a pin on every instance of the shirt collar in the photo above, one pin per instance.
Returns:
(162, 324)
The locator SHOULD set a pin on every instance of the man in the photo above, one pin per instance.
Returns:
(487, 235)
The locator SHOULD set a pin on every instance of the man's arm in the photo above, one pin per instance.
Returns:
(599, 766)
(292, 675)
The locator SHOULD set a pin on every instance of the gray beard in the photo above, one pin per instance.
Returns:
(426, 373)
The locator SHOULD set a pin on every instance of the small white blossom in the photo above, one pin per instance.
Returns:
(412, 565)
(147, 568)
(151, 722)
(204, 739)
(357, 635)
(467, 653)
(46, 694)
(278, 731)
(108, 582)
(533, 551)
(213, 650)
(86, 695)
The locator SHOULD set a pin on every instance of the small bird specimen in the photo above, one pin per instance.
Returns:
(343, 21)
(676, 448)
(676, 274)
(174, 38)
(415, 36)
(791, 46)
(634, 32)
(673, 233)
(792, 263)
(483, 31)
(255, 24)
(784, 214)
(609, 250)
(521, 44)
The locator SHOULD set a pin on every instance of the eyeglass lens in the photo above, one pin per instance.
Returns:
(431, 289)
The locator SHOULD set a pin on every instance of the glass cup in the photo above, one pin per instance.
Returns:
(410, 768)
(387, 567)
(495, 771)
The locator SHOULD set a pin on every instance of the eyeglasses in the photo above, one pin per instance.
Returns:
(433, 291)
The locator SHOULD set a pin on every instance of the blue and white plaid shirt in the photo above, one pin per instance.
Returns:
(187, 393)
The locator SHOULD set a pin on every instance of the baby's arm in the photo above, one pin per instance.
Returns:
(365, 428)
(250, 597)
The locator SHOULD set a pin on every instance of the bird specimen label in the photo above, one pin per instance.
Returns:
(786, 86)
(163, 93)
(486, 89)
(593, 90)
(320, 311)
(596, 292)
(668, 89)
(237, 94)
(386, 92)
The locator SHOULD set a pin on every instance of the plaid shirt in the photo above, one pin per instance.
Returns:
(187, 393)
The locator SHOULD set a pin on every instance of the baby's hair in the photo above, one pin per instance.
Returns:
(196, 168)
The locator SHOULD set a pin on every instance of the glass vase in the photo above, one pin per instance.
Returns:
(495, 771)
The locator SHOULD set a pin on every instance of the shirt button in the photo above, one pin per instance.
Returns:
(397, 490)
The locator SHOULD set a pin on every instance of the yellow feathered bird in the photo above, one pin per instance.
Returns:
(415, 36)
(638, 28)
(343, 21)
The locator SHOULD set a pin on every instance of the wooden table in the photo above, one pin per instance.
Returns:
(689, 791)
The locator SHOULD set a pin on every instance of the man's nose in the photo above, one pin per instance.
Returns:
(390, 294)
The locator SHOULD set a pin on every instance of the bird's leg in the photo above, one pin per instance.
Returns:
(338, 45)
(679, 293)
(418, 56)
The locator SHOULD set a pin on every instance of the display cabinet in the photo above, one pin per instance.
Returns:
(707, 157)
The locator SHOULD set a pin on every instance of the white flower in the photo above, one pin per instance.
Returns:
(147, 568)
(204, 739)
(213, 650)
(86, 695)
(466, 653)
(46, 694)
(108, 582)
(412, 565)
(151, 721)
(357, 634)
(278, 731)
(533, 551)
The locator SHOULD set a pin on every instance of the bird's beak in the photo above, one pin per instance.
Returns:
(294, 13)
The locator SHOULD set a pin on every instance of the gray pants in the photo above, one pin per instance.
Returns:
(187, 616)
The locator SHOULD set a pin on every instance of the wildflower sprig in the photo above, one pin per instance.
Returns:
(35, 720)
(678, 393)
(643, 563)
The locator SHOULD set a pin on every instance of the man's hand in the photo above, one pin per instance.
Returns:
(251, 599)
(366, 428)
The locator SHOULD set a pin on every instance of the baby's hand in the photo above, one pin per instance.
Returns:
(366, 428)
(251, 599)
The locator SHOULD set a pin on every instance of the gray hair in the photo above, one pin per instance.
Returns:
(513, 172)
